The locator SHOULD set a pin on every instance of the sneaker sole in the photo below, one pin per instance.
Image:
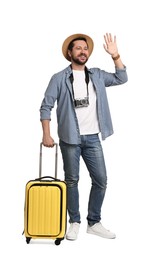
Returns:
(71, 238)
(98, 234)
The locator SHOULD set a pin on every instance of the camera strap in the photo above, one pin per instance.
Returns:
(86, 79)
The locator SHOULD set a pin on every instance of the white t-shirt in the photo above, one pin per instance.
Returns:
(87, 116)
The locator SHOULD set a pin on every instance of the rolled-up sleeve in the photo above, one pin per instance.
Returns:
(112, 79)
(46, 107)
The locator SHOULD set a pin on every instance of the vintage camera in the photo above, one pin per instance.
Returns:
(81, 102)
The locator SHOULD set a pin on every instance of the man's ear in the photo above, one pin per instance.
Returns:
(69, 53)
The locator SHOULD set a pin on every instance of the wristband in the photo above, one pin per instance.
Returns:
(116, 58)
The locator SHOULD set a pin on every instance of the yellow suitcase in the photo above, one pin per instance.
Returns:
(45, 211)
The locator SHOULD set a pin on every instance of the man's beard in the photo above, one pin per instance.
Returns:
(77, 61)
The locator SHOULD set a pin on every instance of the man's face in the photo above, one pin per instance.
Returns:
(79, 53)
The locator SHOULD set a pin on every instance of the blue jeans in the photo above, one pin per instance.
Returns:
(91, 151)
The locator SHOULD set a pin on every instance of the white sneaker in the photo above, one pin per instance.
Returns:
(99, 230)
(73, 231)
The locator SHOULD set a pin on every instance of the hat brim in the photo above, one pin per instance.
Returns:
(71, 38)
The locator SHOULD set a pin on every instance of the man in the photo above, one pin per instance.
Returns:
(82, 113)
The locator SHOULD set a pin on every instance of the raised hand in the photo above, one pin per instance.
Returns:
(110, 44)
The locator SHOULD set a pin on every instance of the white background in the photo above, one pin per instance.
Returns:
(31, 37)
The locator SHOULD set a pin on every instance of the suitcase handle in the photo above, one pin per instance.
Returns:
(46, 177)
(56, 160)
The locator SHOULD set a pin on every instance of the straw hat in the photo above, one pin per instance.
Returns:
(71, 38)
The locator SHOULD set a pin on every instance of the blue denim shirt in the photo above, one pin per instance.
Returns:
(60, 90)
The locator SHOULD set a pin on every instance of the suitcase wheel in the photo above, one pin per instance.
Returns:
(28, 239)
(57, 242)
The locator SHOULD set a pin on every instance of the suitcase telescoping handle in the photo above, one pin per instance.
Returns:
(56, 160)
